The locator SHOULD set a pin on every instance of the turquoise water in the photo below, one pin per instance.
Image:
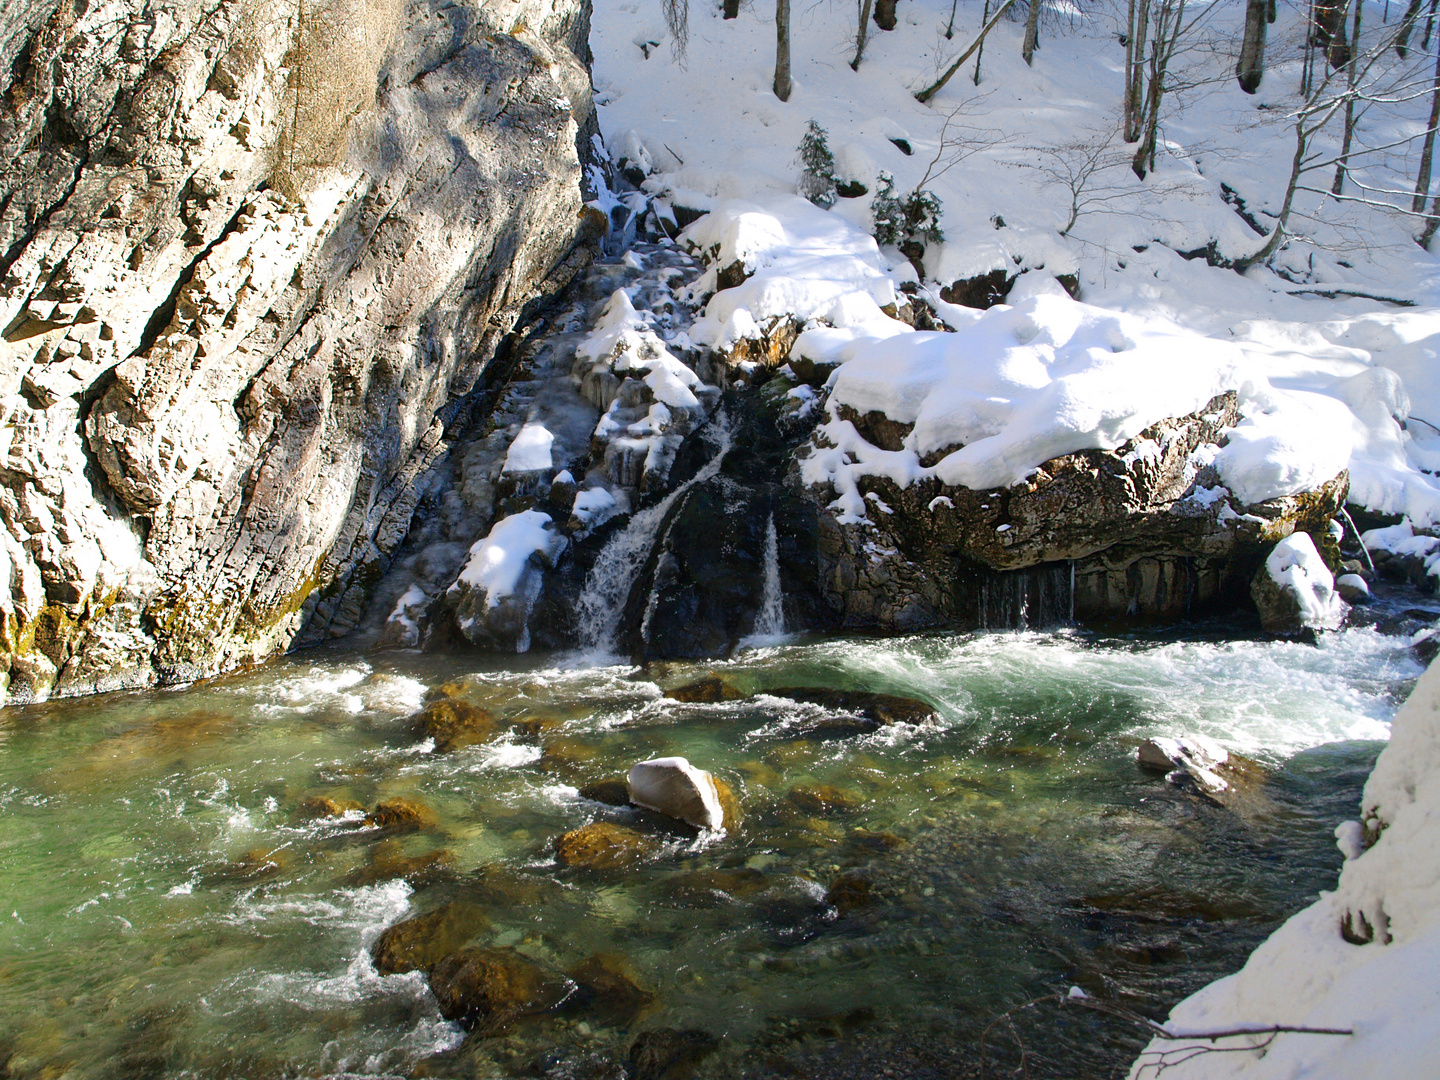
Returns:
(171, 909)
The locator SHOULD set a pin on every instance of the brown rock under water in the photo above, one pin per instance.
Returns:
(420, 943)
(454, 722)
(402, 814)
(603, 845)
(488, 989)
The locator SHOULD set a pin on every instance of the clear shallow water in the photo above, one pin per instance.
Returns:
(170, 911)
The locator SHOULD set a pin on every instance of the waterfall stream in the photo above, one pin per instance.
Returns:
(770, 619)
(607, 587)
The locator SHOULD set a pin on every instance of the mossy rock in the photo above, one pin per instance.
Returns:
(488, 989)
(402, 814)
(454, 723)
(420, 943)
(603, 845)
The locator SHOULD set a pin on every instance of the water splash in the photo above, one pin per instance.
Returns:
(607, 587)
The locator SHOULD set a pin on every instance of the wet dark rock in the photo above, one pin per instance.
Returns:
(876, 840)
(402, 814)
(609, 989)
(708, 690)
(420, 943)
(388, 862)
(324, 806)
(981, 291)
(453, 723)
(486, 990)
(668, 1053)
(1166, 904)
(850, 893)
(859, 711)
(613, 792)
(824, 798)
(851, 189)
(603, 845)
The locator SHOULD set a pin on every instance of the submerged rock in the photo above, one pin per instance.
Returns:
(860, 711)
(1294, 591)
(488, 989)
(402, 814)
(674, 787)
(1198, 763)
(609, 989)
(614, 792)
(824, 798)
(420, 943)
(325, 806)
(603, 845)
(708, 690)
(453, 723)
(388, 863)
(668, 1053)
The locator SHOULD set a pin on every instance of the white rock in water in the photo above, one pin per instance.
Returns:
(1352, 588)
(674, 787)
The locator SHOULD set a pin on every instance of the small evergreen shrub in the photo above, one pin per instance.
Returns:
(901, 220)
(817, 167)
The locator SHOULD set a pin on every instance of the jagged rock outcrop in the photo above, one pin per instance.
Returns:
(256, 263)
(1146, 529)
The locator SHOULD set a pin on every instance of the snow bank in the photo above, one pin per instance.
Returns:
(1027, 383)
(530, 452)
(803, 262)
(1306, 974)
(498, 563)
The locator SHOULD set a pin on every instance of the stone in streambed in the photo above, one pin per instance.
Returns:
(561, 754)
(1352, 589)
(388, 862)
(668, 1053)
(613, 792)
(824, 798)
(420, 943)
(323, 806)
(674, 787)
(850, 893)
(402, 814)
(490, 988)
(708, 887)
(731, 813)
(453, 723)
(1294, 591)
(859, 711)
(608, 988)
(603, 845)
(708, 690)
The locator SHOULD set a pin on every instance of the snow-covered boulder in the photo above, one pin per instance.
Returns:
(674, 787)
(1190, 759)
(1352, 589)
(490, 601)
(1294, 591)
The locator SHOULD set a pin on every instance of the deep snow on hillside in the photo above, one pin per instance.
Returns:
(1315, 372)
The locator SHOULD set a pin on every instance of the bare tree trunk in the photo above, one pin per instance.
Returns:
(732, 9)
(860, 34)
(1032, 32)
(1343, 165)
(980, 52)
(1427, 150)
(1171, 15)
(782, 49)
(885, 14)
(1251, 68)
(1135, 41)
(939, 84)
(1329, 31)
(1431, 223)
(950, 28)
(1279, 233)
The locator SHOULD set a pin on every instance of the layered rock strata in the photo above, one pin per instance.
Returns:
(256, 265)
(1146, 529)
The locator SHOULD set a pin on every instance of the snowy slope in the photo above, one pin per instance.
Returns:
(713, 132)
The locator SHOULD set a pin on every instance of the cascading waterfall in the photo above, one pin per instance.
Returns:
(607, 587)
(770, 620)
(1035, 598)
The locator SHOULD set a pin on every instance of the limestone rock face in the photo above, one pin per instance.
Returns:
(253, 272)
(1146, 529)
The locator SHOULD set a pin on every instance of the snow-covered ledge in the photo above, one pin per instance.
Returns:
(1313, 973)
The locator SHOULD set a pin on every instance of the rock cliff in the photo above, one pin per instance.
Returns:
(257, 263)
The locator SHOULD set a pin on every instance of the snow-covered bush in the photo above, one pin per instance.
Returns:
(899, 220)
(817, 167)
